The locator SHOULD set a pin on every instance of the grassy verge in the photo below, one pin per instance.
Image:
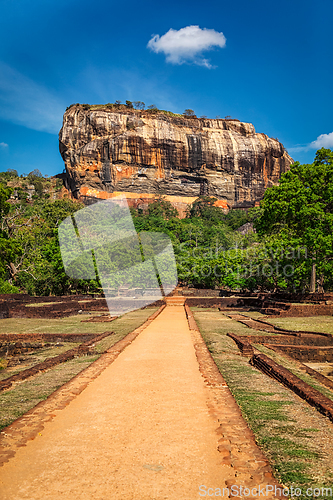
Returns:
(321, 324)
(295, 438)
(27, 394)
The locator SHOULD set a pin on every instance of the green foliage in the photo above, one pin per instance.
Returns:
(34, 175)
(167, 113)
(299, 213)
(5, 194)
(30, 258)
(236, 218)
(6, 287)
(8, 248)
(294, 229)
(203, 208)
(71, 105)
(10, 174)
(162, 208)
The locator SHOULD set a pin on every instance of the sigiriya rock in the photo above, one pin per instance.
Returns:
(143, 155)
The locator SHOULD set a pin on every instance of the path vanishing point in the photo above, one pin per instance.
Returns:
(157, 422)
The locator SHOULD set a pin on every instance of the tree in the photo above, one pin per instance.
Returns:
(35, 174)
(236, 218)
(139, 105)
(30, 250)
(204, 208)
(152, 108)
(129, 104)
(299, 213)
(189, 113)
(9, 249)
(162, 208)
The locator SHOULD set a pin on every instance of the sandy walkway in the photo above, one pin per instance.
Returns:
(141, 430)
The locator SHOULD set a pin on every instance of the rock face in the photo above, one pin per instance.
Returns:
(107, 151)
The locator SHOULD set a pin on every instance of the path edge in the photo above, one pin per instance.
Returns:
(253, 467)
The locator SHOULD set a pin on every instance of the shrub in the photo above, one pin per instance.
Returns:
(6, 287)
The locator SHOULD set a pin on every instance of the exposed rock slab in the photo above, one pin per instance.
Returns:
(107, 151)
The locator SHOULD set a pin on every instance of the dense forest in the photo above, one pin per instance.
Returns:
(286, 244)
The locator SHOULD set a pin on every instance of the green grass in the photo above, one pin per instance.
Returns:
(70, 324)
(224, 324)
(28, 394)
(320, 324)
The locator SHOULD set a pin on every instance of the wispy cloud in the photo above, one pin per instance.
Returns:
(3, 145)
(322, 141)
(187, 45)
(28, 103)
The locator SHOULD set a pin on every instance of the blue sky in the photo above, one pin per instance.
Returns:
(271, 67)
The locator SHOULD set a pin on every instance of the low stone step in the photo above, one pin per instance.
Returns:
(175, 301)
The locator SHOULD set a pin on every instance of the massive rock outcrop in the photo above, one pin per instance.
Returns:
(144, 154)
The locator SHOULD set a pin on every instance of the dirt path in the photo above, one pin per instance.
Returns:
(141, 430)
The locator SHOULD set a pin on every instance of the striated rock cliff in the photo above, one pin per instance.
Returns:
(107, 151)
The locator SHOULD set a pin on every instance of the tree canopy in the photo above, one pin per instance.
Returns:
(291, 249)
(299, 212)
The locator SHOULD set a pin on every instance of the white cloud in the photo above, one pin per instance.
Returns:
(187, 44)
(28, 103)
(323, 141)
(3, 145)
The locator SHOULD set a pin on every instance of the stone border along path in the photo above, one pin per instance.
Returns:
(154, 422)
